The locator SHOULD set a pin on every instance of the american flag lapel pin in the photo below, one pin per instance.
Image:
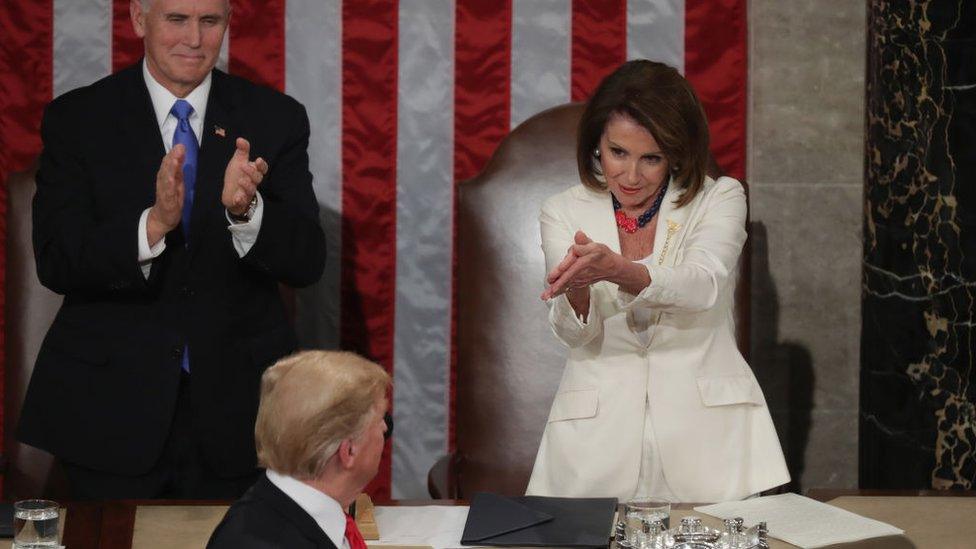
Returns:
(220, 131)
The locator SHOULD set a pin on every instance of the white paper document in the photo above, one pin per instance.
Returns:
(802, 521)
(439, 526)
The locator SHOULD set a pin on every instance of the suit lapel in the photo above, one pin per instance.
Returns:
(596, 217)
(217, 146)
(671, 222)
(139, 129)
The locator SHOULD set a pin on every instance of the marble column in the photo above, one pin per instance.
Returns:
(918, 337)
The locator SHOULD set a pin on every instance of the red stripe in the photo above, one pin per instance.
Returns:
(717, 67)
(26, 75)
(126, 46)
(482, 81)
(599, 43)
(257, 41)
(482, 84)
(369, 126)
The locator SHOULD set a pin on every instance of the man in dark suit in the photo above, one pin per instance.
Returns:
(172, 199)
(320, 433)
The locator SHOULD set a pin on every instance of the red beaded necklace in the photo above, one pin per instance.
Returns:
(630, 224)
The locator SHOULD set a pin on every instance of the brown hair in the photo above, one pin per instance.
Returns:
(310, 402)
(658, 98)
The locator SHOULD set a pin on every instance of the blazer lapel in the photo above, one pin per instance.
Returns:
(670, 229)
(596, 217)
(139, 130)
(216, 148)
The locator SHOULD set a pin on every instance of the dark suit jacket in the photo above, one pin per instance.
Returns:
(266, 518)
(105, 383)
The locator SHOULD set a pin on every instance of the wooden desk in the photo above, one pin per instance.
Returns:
(112, 525)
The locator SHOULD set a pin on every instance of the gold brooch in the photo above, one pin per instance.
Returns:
(672, 228)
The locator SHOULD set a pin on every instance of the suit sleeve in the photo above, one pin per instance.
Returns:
(290, 246)
(557, 237)
(711, 252)
(75, 249)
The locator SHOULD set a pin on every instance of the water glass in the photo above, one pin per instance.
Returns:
(637, 511)
(36, 524)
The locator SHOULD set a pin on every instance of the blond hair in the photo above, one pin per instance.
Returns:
(310, 402)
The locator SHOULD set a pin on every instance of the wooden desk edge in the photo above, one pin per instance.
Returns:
(111, 524)
(827, 494)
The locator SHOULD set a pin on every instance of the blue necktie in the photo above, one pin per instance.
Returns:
(184, 135)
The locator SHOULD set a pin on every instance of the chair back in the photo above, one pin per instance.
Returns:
(509, 362)
(30, 309)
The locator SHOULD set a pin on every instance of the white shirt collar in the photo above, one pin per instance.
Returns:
(326, 512)
(163, 99)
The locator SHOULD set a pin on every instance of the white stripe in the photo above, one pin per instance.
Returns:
(312, 75)
(425, 203)
(540, 56)
(82, 43)
(656, 31)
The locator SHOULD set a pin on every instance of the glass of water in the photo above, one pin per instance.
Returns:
(636, 511)
(36, 524)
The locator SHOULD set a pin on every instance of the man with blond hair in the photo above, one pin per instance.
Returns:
(320, 432)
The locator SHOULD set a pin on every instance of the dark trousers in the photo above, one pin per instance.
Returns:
(180, 473)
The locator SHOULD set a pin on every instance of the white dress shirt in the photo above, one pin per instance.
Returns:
(244, 234)
(326, 512)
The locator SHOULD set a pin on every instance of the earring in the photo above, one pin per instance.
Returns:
(596, 152)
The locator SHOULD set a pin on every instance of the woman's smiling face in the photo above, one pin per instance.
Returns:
(633, 164)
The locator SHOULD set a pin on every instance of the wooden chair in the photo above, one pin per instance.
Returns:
(509, 362)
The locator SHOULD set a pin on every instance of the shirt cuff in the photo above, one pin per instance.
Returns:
(245, 235)
(147, 253)
(654, 292)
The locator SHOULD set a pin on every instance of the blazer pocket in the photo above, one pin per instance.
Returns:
(580, 404)
(729, 390)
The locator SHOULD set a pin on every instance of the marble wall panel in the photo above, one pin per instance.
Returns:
(918, 355)
(806, 165)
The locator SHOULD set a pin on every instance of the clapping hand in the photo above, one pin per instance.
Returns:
(167, 211)
(241, 178)
(586, 262)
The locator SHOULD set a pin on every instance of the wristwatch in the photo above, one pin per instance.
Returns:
(248, 213)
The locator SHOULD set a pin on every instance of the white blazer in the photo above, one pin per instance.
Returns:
(714, 433)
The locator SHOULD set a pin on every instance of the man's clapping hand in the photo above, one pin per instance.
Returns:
(166, 213)
(241, 178)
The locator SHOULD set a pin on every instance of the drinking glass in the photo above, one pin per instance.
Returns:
(36, 524)
(645, 509)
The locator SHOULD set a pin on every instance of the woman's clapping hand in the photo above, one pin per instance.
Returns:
(586, 262)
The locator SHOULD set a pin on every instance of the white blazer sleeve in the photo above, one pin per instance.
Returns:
(711, 250)
(557, 237)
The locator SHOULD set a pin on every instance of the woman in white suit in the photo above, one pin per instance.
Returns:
(656, 400)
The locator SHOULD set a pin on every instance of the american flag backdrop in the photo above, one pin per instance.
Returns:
(406, 99)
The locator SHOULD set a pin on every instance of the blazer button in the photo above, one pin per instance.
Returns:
(185, 291)
(177, 352)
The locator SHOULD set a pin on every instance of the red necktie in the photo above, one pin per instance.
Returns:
(355, 538)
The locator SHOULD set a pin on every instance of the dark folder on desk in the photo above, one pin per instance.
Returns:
(535, 521)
